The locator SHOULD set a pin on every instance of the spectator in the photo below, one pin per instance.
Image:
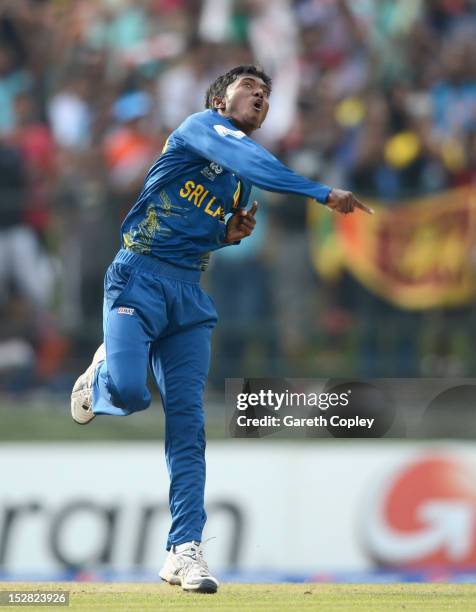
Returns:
(69, 113)
(23, 264)
(13, 80)
(129, 148)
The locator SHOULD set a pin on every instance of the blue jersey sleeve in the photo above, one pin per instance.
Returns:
(214, 137)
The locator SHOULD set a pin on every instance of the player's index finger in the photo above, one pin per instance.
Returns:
(364, 207)
(254, 208)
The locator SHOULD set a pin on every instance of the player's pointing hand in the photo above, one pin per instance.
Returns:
(345, 202)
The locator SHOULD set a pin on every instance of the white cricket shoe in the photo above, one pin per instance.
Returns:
(82, 397)
(186, 566)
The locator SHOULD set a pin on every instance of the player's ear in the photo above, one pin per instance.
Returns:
(218, 103)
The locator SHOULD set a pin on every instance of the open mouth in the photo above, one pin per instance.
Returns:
(258, 105)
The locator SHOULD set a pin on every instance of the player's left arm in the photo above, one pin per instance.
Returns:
(241, 224)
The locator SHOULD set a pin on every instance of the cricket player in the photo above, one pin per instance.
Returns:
(194, 201)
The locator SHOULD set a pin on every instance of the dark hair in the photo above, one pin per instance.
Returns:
(219, 85)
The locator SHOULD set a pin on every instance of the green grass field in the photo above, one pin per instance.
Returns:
(131, 596)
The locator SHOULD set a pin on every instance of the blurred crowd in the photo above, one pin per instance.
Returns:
(377, 96)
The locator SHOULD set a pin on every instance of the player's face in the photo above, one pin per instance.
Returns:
(246, 102)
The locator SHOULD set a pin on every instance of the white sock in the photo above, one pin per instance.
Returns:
(181, 547)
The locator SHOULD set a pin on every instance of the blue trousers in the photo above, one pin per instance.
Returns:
(156, 315)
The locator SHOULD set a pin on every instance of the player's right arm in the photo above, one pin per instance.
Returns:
(214, 137)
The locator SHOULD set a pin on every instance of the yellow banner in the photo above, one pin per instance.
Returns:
(419, 255)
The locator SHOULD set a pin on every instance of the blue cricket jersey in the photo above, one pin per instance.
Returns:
(206, 170)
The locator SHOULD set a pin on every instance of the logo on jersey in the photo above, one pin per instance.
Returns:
(199, 195)
(224, 131)
(212, 171)
(125, 310)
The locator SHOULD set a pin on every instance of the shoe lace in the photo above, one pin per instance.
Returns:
(195, 554)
